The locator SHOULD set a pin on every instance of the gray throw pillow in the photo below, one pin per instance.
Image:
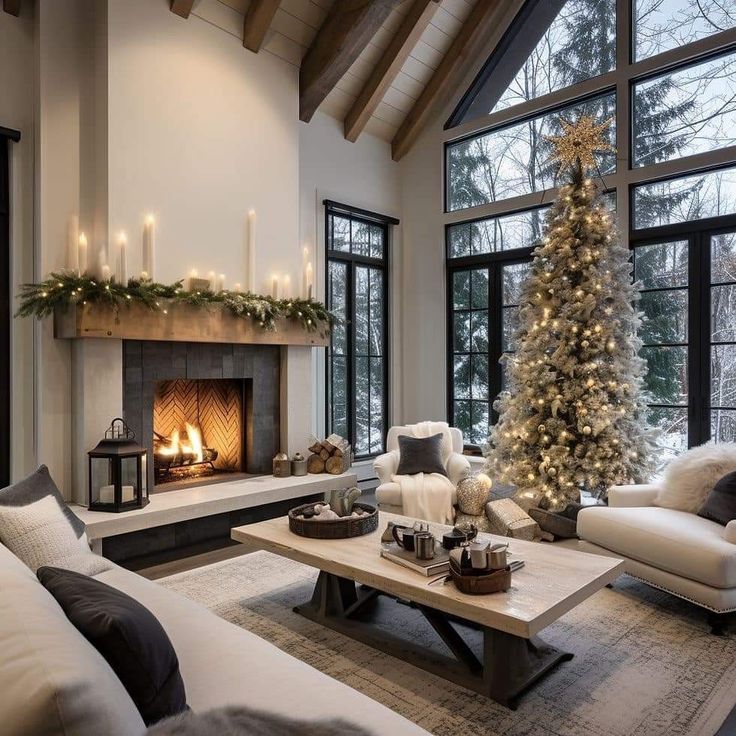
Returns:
(720, 504)
(37, 526)
(420, 455)
(36, 486)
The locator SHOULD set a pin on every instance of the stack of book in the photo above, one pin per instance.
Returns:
(439, 564)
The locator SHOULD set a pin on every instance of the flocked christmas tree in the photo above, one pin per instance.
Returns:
(573, 417)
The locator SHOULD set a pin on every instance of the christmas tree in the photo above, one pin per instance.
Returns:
(573, 416)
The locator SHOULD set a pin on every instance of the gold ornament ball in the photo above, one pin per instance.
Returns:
(587, 430)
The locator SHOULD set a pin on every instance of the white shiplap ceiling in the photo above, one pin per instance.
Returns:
(296, 24)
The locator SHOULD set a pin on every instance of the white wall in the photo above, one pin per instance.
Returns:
(17, 84)
(139, 111)
(363, 175)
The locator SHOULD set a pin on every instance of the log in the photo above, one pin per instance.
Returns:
(324, 454)
(315, 464)
(316, 448)
(334, 465)
(338, 452)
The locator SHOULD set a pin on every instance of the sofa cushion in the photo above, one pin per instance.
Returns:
(36, 486)
(675, 541)
(127, 635)
(223, 664)
(52, 681)
(421, 455)
(39, 534)
(720, 505)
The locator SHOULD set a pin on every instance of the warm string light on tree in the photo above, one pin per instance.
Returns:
(573, 416)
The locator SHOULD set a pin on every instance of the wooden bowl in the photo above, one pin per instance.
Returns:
(492, 582)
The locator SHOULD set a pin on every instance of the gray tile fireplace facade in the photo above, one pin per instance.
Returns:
(145, 363)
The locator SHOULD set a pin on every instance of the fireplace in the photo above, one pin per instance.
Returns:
(198, 429)
(206, 412)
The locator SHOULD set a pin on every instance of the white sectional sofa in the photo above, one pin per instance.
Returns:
(677, 551)
(53, 682)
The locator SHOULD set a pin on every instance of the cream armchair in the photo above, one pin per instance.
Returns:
(388, 493)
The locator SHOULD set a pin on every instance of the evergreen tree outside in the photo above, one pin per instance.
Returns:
(573, 415)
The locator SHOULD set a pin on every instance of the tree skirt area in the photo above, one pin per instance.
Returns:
(645, 662)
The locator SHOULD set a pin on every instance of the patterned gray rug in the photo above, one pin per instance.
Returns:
(645, 664)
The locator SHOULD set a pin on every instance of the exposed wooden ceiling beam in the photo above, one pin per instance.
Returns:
(486, 18)
(257, 22)
(12, 7)
(389, 65)
(182, 7)
(345, 32)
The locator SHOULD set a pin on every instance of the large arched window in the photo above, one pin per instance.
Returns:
(664, 72)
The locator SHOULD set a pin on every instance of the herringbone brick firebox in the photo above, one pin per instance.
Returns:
(205, 411)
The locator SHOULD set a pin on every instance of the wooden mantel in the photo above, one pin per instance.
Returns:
(182, 323)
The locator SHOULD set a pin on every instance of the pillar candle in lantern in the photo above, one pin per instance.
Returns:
(72, 245)
(221, 282)
(82, 254)
(286, 287)
(275, 287)
(149, 245)
(237, 287)
(105, 271)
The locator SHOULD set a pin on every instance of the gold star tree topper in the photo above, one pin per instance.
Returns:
(580, 141)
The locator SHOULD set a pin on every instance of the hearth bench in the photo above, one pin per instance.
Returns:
(171, 507)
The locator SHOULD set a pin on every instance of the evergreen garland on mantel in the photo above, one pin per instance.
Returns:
(63, 289)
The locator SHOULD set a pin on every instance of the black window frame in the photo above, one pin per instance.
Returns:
(698, 234)
(494, 261)
(352, 262)
(7, 136)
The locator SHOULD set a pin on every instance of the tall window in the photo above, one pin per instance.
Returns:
(357, 245)
(664, 73)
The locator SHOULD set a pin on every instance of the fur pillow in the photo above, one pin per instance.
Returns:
(689, 478)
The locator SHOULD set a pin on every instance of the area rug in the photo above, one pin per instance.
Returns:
(645, 663)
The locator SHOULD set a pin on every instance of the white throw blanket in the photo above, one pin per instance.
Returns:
(428, 496)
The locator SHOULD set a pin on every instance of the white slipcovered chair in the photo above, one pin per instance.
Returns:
(676, 551)
(388, 493)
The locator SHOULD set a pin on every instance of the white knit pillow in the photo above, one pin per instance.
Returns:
(689, 478)
(40, 534)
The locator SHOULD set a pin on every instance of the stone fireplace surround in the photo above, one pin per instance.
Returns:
(98, 383)
(145, 363)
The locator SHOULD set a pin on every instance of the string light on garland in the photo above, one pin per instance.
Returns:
(60, 290)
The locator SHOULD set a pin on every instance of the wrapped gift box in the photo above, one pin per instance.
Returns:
(508, 519)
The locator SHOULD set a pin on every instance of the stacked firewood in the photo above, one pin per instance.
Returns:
(331, 455)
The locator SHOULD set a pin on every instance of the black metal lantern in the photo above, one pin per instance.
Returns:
(117, 471)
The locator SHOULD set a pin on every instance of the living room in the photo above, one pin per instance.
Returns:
(369, 367)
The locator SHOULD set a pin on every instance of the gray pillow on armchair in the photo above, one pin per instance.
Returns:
(420, 455)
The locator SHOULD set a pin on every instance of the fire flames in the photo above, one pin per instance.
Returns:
(190, 448)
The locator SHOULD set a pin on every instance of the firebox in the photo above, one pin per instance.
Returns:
(206, 412)
(198, 429)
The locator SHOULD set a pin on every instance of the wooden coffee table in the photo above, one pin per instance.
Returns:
(494, 638)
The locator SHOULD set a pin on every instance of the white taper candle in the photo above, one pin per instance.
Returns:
(72, 244)
(250, 271)
(149, 246)
(121, 266)
(82, 253)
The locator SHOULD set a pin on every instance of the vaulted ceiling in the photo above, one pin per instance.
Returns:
(380, 66)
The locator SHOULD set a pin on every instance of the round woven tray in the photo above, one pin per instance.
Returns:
(343, 528)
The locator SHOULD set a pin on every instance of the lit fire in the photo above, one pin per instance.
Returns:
(190, 448)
